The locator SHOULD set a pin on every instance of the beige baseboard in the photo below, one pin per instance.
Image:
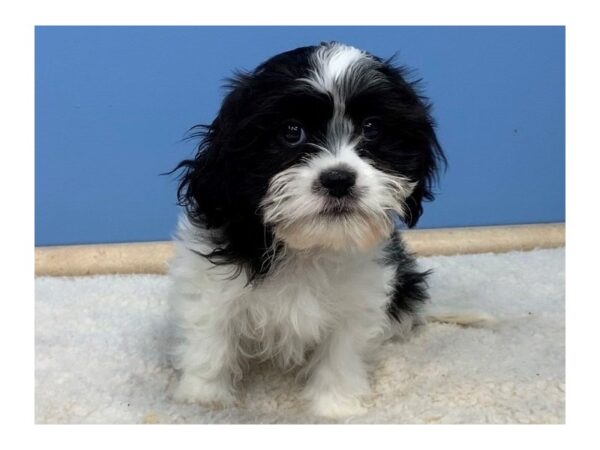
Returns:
(152, 257)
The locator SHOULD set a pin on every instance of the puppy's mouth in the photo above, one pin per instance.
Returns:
(338, 215)
(338, 225)
(339, 207)
(344, 206)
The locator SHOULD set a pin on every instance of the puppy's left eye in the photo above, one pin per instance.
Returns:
(293, 133)
(371, 128)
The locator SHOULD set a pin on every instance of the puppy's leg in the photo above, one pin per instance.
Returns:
(338, 377)
(205, 353)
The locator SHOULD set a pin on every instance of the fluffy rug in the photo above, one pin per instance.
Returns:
(101, 344)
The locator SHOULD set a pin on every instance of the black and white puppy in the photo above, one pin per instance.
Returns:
(287, 250)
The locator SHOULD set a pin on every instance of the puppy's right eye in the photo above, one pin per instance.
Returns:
(293, 133)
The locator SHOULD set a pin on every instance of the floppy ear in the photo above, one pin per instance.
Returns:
(199, 183)
(420, 154)
(207, 186)
(219, 193)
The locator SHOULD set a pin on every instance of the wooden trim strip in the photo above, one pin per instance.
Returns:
(152, 257)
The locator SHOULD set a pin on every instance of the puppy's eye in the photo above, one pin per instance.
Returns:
(293, 133)
(371, 128)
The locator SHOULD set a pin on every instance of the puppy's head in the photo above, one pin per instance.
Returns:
(318, 147)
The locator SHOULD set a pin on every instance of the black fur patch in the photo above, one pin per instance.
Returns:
(410, 286)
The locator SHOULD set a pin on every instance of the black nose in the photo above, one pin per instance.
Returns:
(338, 181)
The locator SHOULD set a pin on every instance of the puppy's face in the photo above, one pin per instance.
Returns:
(323, 144)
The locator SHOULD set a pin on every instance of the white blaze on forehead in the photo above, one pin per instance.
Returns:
(333, 67)
(331, 63)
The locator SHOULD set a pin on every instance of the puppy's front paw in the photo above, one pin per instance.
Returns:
(194, 389)
(335, 405)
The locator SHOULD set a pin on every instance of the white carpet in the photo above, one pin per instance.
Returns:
(100, 353)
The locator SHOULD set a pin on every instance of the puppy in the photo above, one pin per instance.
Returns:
(287, 249)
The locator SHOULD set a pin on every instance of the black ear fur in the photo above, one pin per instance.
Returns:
(421, 139)
(432, 158)
(220, 192)
(200, 180)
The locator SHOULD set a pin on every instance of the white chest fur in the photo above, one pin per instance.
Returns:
(287, 313)
(318, 310)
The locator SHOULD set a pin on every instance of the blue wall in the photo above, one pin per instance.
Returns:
(113, 103)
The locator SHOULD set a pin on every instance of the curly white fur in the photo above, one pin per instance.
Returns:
(322, 310)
